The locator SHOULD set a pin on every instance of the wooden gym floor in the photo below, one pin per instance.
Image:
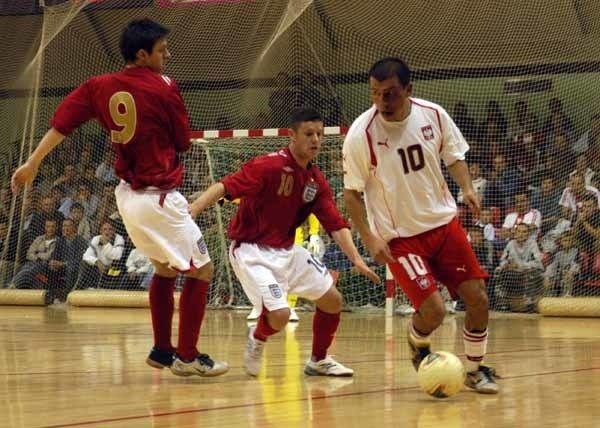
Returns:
(81, 367)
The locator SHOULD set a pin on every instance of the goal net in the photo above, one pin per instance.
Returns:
(519, 78)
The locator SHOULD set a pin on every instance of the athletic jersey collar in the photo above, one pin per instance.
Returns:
(293, 162)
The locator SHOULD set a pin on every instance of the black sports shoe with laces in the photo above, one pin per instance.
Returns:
(159, 359)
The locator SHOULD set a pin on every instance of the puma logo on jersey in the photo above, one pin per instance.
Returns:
(383, 143)
(462, 268)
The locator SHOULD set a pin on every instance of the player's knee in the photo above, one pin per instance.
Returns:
(474, 295)
(205, 272)
(433, 314)
(279, 318)
(331, 302)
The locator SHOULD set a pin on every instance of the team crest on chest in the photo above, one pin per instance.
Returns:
(427, 132)
(310, 191)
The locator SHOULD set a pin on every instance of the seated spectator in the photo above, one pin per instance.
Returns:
(573, 196)
(88, 200)
(65, 262)
(522, 214)
(62, 201)
(484, 249)
(5, 265)
(561, 273)
(557, 115)
(81, 222)
(105, 172)
(101, 258)
(524, 123)
(68, 180)
(546, 201)
(34, 224)
(582, 168)
(586, 228)
(519, 275)
(139, 271)
(549, 241)
(34, 273)
(504, 182)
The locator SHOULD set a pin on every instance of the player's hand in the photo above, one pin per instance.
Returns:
(472, 200)
(365, 270)
(24, 175)
(379, 250)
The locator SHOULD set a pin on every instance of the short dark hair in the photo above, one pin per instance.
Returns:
(304, 114)
(140, 34)
(389, 67)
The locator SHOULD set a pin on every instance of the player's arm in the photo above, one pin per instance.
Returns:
(343, 238)
(73, 111)
(27, 172)
(207, 199)
(178, 115)
(459, 171)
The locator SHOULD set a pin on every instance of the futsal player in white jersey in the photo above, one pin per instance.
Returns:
(392, 155)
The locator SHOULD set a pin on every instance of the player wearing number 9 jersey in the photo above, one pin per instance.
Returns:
(144, 114)
(277, 192)
(392, 154)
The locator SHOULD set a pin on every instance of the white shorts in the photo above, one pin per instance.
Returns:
(269, 274)
(161, 227)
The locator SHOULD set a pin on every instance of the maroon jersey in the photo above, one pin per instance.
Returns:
(277, 195)
(144, 113)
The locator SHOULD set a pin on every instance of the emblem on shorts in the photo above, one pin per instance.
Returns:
(423, 282)
(202, 245)
(275, 291)
(310, 191)
(427, 132)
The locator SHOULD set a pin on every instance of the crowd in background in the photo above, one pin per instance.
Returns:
(536, 235)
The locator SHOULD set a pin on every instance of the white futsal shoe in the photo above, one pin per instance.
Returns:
(253, 353)
(202, 365)
(327, 367)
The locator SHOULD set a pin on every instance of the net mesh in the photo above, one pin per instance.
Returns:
(519, 78)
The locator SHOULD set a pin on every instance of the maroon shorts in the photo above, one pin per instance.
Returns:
(442, 254)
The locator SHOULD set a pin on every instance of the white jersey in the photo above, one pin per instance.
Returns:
(398, 167)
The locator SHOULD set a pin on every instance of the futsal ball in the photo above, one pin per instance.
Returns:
(441, 374)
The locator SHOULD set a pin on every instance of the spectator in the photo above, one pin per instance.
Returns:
(573, 196)
(34, 273)
(504, 182)
(519, 275)
(546, 201)
(550, 240)
(587, 226)
(483, 248)
(100, 258)
(85, 197)
(81, 222)
(561, 273)
(34, 224)
(522, 214)
(558, 117)
(68, 180)
(524, 123)
(105, 172)
(65, 262)
(495, 116)
(582, 168)
(139, 271)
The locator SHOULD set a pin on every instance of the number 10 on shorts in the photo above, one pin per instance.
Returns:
(413, 265)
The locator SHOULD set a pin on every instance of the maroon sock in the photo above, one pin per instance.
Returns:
(192, 304)
(324, 327)
(263, 328)
(161, 308)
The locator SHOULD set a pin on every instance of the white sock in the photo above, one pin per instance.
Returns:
(475, 347)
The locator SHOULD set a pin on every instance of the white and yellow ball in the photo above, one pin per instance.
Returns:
(441, 374)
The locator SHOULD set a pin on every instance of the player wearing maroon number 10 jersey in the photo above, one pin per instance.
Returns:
(278, 191)
(392, 154)
(148, 124)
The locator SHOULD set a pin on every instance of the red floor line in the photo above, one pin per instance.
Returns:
(247, 405)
